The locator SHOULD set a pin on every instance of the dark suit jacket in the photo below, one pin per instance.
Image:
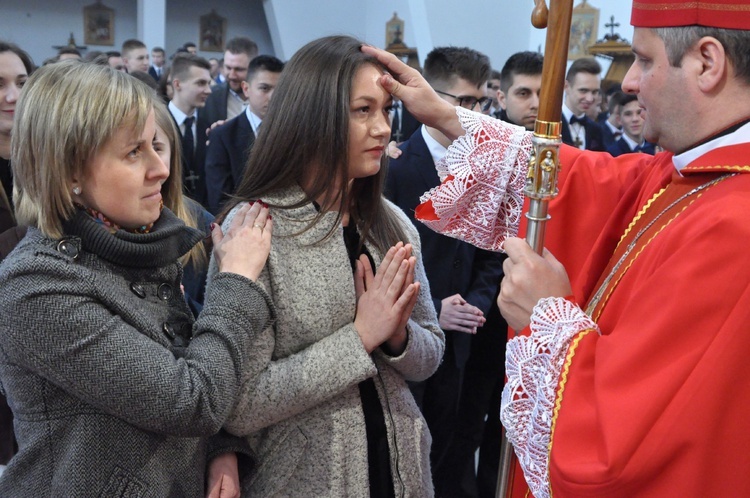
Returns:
(226, 157)
(622, 147)
(409, 125)
(198, 193)
(152, 72)
(216, 106)
(594, 140)
(608, 137)
(452, 266)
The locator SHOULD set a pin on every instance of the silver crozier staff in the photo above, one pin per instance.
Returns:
(544, 163)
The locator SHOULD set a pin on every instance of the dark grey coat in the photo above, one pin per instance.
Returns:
(106, 400)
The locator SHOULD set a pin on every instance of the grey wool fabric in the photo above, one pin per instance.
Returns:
(109, 397)
(300, 403)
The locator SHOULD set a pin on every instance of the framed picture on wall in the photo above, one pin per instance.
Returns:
(213, 30)
(584, 27)
(98, 25)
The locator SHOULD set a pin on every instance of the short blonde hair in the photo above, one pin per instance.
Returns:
(66, 113)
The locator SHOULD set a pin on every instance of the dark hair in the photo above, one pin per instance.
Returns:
(113, 53)
(264, 63)
(242, 45)
(146, 79)
(92, 55)
(188, 45)
(132, 44)
(444, 64)
(158, 49)
(305, 138)
(583, 65)
(615, 101)
(678, 40)
(625, 98)
(28, 64)
(184, 61)
(528, 63)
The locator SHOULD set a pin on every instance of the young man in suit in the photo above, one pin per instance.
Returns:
(231, 142)
(581, 88)
(157, 63)
(227, 99)
(191, 83)
(632, 127)
(611, 125)
(493, 85)
(520, 84)
(135, 55)
(478, 422)
(463, 280)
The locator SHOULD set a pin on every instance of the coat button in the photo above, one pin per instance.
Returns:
(164, 292)
(457, 264)
(137, 290)
(68, 247)
(168, 330)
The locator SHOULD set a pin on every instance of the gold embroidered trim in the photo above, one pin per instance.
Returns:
(721, 168)
(640, 214)
(691, 5)
(558, 399)
(613, 285)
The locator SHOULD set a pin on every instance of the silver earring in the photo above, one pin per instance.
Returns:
(77, 190)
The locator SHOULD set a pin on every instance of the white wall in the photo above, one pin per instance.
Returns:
(244, 18)
(497, 28)
(38, 25)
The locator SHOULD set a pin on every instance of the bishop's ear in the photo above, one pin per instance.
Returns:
(710, 62)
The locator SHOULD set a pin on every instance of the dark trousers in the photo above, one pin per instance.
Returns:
(438, 397)
(477, 422)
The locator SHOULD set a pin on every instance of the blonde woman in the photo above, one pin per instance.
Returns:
(117, 390)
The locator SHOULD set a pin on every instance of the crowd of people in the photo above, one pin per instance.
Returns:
(216, 279)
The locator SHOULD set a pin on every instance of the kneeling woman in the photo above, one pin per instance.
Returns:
(326, 405)
(116, 389)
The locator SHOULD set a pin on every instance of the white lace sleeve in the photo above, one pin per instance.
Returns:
(481, 201)
(533, 365)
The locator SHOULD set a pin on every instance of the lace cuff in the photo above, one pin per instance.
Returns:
(533, 365)
(483, 175)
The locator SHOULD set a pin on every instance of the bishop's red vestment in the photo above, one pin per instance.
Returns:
(647, 373)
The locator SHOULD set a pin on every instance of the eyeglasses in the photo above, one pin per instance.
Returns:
(469, 102)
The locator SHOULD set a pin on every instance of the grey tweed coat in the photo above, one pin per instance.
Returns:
(107, 401)
(300, 403)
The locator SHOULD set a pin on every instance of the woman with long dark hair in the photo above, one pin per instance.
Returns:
(325, 401)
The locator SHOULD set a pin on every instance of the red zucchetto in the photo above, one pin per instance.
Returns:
(729, 14)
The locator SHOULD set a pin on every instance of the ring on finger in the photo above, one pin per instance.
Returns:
(258, 225)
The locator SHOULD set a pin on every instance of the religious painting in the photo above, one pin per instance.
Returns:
(584, 27)
(213, 31)
(98, 25)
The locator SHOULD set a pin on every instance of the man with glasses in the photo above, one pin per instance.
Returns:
(463, 280)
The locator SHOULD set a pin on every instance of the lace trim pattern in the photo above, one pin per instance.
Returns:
(483, 174)
(533, 365)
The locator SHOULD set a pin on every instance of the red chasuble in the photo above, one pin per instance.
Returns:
(657, 405)
(653, 400)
